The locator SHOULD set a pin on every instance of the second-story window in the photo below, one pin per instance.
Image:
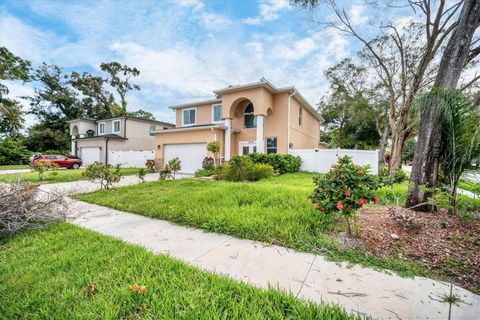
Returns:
(249, 118)
(116, 126)
(189, 117)
(101, 128)
(300, 116)
(217, 113)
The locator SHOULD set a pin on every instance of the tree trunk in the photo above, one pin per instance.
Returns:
(383, 148)
(425, 171)
(399, 137)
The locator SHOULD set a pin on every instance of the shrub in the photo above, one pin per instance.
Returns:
(13, 152)
(344, 189)
(106, 174)
(214, 147)
(165, 172)
(242, 168)
(150, 164)
(175, 165)
(41, 167)
(208, 163)
(259, 171)
(281, 163)
(398, 177)
(207, 172)
(24, 207)
(141, 174)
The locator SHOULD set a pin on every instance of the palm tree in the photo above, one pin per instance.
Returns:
(11, 118)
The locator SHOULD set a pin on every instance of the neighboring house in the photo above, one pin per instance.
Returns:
(256, 117)
(124, 140)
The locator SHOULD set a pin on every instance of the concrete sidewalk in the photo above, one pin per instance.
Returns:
(308, 276)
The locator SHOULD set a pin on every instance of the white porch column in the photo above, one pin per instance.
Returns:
(228, 139)
(73, 147)
(260, 144)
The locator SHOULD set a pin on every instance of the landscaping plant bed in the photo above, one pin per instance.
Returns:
(440, 241)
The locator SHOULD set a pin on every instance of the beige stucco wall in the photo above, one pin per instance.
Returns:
(261, 99)
(191, 136)
(275, 109)
(204, 115)
(307, 135)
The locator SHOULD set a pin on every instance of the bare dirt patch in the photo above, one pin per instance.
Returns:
(440, 241)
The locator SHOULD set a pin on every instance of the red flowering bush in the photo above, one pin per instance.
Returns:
(345, 189)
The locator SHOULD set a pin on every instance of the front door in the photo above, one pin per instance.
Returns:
(246, 147)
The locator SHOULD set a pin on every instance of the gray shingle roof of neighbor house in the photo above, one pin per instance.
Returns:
(125, 117)
(263, 83)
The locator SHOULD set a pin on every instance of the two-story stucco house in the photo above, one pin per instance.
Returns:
(98, 140)
(256, 117)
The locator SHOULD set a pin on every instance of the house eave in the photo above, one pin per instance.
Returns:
(192, 128)
(195, 103)
(271, 88)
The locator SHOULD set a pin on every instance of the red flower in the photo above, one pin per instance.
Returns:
(342, 176)
(361, 172)
(346, 192)
(377, 199)
(340, 205)
(361, 202)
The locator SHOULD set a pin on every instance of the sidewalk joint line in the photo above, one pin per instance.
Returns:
(306, 275)
(210, 250)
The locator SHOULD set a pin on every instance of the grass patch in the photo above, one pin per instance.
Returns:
(15, 166)
(469, 186)
(63, 175)
(275, 210)
(73, 273)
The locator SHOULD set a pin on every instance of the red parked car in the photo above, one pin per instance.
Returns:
(60, 160)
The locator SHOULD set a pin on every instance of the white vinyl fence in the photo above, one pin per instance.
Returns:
(130, 159)
(321, 160)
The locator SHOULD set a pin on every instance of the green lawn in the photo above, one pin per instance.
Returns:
(469, 186)
(15, 166)
(71, 273)
(63, 175)
(275, 210)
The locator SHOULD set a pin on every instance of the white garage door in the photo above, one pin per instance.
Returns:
(90, 155)
(191, 155)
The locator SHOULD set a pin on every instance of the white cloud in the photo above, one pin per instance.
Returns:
(214, 21)
(269, 10)
(182, 52)
(357, 16)
(196, 5)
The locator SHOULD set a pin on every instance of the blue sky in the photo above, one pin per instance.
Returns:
(184, 49)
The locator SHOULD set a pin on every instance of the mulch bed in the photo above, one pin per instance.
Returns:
(440, 241)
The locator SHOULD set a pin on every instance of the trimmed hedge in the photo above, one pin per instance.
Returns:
(281, 163)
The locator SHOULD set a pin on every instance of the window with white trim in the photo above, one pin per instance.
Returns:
(116, 126)
(101, 128)
(189, 117)
(272, 145)
(217, 112)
